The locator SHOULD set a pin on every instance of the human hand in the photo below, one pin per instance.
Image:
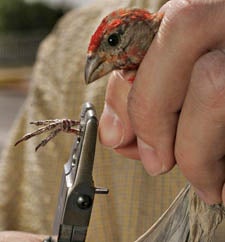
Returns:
(175, 110)
(15, 236)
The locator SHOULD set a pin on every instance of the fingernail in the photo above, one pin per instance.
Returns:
(149, 158)
(111, 129)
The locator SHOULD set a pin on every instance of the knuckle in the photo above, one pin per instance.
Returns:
(208, 80)
(183, 15)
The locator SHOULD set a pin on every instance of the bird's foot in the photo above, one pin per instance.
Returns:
(54, 126)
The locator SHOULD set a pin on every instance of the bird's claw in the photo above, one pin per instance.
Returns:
(54, 126)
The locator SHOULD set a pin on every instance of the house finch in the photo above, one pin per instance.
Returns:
(120, 42)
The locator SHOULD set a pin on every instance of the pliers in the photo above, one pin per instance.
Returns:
(77, 190)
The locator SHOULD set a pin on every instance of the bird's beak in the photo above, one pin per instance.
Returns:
(96, 67)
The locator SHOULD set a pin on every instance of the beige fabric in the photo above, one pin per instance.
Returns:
(30, 181)
(188, 219)
(204, 220)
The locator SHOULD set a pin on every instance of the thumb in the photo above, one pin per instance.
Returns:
(114, 127)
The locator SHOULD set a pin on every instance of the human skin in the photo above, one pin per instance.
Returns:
(15, 236)
(174, 112)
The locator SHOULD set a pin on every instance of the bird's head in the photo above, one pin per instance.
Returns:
(120, 42)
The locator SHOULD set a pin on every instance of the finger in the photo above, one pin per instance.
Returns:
(114, 127)
(14, 236)
(200, 143)
(162, 79)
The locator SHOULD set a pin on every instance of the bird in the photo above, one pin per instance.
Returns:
(120, 42)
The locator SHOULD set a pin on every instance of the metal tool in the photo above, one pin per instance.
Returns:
(77, 186)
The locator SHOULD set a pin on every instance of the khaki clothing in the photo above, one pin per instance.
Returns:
(30, 180)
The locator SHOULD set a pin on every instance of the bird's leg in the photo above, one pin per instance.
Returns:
(55, 126)
(48, 138)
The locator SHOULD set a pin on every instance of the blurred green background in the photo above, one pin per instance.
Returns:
(22, 26)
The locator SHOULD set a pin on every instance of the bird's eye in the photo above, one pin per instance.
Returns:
(114, 39)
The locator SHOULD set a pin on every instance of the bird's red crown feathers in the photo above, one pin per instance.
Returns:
(113, 20)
